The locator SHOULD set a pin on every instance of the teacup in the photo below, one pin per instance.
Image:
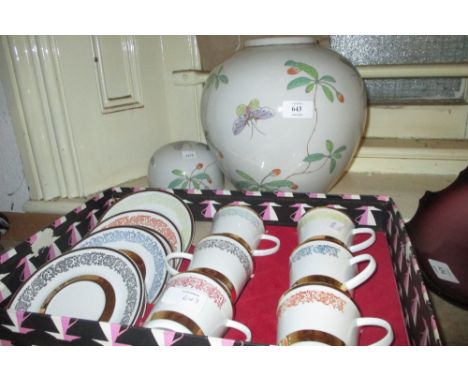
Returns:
(328, 262)
(331, 224)
(221, 257)
(314, 314)
(245, 223)
(195, 303)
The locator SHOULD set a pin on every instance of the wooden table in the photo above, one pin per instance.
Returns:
(23, 225)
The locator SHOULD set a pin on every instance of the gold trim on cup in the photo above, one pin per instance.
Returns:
(103, 283)
(321, 280)
(311, 335)
(222, 279)
(304, 284)
(180, 318)
(326, 238)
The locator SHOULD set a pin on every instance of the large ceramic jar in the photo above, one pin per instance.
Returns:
(284, 114)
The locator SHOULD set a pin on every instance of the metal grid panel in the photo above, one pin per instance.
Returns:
(384, 50)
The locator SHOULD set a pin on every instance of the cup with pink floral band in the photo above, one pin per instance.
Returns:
(315, 314)
(331, 224)
(197, 304)
(244, 223)
(221, 257)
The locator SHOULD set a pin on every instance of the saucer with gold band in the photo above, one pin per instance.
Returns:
(155, 222)
(144, 247)
(162, 202)
(99, 284)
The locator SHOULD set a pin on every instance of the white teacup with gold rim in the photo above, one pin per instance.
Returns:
(222, 257)
(329, 262)
(244, 222)
(195, 303)
(331, 224)
(314, 314)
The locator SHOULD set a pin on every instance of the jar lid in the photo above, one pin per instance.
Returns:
(280, 41)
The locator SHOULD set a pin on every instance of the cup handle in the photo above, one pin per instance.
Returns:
(241, 328)
(371, 321)
(362, 276)
(176, 255)
(268, 251)
(366, 243)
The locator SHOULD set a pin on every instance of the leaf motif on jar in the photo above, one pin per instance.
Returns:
(313, 80)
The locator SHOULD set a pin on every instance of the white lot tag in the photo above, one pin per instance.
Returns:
(443, 271)
(189, 154)
(298, 109)
(192, 301)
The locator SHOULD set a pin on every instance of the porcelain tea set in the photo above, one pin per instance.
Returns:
(130, 263)
(318, 309)
(219, 269)
(118, 267)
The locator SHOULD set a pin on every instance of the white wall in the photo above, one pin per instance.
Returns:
(13, 188)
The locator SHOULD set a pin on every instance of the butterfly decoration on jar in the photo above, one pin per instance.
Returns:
(248, 115)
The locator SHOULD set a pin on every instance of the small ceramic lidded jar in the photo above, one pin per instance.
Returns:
(185, 165)
(284, 114)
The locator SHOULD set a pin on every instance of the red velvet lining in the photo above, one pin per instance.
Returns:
(256, 306)
(377, 297)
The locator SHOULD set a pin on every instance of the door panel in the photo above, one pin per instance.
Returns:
(118, 72)
(116, 101)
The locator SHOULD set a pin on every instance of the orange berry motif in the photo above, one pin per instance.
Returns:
(340, 97)
(292, 70)
(276, 172)
(199, 166)
(294, 186)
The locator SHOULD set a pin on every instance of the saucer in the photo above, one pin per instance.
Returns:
(147, 219)
(143, 247)
(97, 284)
(161, 202)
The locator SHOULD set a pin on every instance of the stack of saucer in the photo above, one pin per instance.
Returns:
(118, 267)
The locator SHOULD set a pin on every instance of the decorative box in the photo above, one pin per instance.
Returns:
(396, 291)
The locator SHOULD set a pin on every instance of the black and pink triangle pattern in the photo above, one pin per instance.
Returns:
(281, 208)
